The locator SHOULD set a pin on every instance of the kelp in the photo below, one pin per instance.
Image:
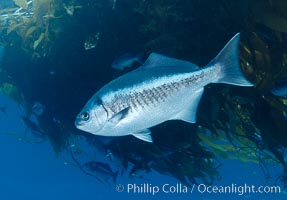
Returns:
(31, 30)
(39, 40)
(271, 14)
(37, 24)
(21, 3)
(12, 91)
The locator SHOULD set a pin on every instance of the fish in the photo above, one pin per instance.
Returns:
(103, 170)
(139, 169)
(92, 41)
(32, 127)
(162, 89)
(280, 88)
(38, 108)
(137, 172)
(3, 109)
(126, 61)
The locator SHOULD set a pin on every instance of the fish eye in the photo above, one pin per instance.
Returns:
(85, 116)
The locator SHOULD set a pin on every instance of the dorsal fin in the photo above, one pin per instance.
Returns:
(156, 60)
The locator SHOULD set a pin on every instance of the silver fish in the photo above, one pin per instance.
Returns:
(3, 109)
(126, 61)
(162, 89)
(280, 88)
(38, 108)
(102, 171)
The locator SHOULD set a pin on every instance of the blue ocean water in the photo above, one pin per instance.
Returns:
(32, 171)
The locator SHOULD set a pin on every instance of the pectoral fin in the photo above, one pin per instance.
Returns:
(143, 135)
(115, 119)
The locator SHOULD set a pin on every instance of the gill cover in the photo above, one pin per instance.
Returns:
(93, 116)
(100, 112)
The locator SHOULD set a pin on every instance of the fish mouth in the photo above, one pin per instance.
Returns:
(79, 123)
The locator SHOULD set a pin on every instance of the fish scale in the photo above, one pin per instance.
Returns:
(162, 89)
(146, 97)
(151, 94)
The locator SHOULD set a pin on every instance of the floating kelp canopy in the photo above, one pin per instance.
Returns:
(59, 52)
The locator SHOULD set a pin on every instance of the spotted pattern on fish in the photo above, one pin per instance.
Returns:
(152, 96)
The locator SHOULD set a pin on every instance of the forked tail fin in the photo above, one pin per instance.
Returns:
(228, 61)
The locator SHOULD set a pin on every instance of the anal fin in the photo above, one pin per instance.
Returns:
(144, 135)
